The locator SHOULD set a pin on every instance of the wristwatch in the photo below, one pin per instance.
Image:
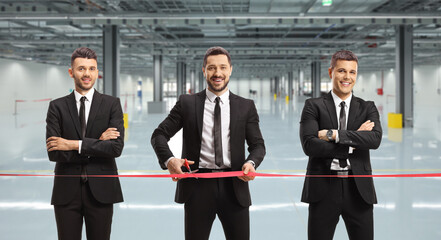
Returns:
(329, 134)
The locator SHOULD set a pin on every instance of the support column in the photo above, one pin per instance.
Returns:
(272, 88)
(283, 92)
(315, 79)
(296, 82)
(290, 84)
(181, 71)
(111, 40)
(179, 78)
(157, 81)
(192, 80)
(158, 105)
(201, 81)
(301, 82)
(404, 73)
(276, 85)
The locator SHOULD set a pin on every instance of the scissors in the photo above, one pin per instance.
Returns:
(186, 165)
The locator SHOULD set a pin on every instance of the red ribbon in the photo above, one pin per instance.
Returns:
(225, 174)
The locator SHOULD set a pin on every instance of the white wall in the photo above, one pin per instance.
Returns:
(242, 87)
(427, 81)
(368, 83)
(31, 81)
(427, 100)
(129, 91)
(21, 80)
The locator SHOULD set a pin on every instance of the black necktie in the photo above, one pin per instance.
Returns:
(343, 163)
(83, 133)
(217, 134)
(83, 117)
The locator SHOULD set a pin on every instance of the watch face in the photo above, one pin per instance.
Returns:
(329, 134)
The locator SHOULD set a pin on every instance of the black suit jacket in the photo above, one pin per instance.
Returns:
(188, 114)
(98, 156)
(320, 113)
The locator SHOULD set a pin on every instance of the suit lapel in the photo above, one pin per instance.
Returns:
(353, 113)
(96, 103)
(73, 110)
(199, 105)
(330, 105)
(234, 110)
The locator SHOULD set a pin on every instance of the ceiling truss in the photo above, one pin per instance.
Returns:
(257, 33)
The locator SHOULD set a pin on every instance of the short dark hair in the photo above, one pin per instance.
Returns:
(83, 52)
(343, 55)
(216, 51)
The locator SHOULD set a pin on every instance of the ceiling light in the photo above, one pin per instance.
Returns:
(326, 3)
(22, 45)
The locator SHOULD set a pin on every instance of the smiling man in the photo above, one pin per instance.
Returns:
(337, 131)
(85, 132)
(216, 124)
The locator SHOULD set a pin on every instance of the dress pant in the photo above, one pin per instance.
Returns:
(342, 199)
(97, 216)
(215, 197)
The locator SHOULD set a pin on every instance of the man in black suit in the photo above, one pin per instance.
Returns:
(216, 123)
(337, 131)
(85, 132)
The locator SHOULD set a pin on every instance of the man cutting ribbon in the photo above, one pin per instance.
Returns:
(216, 123)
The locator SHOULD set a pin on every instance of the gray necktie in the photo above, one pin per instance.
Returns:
(218, 156)
(83, 117)
(343, 163)
(83, 134)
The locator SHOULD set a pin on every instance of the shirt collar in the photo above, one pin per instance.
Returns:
(211, 96)
(89, 95)
(338, 100)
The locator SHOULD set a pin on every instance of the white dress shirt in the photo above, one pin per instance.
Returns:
(87, 104)
(335, 162)
(207, 158)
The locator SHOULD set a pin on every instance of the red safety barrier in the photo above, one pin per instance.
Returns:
(34, 100)
(125, 101)
(225, 174)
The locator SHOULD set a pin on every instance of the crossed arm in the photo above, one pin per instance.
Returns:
(366, 126)
(61, 144)
(62, 148)
(316, 144)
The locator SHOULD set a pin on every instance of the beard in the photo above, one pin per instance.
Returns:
(217, 89)
(80, 85)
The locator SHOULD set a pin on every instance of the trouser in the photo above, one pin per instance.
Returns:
(215, 197)
(342, 199)
(97, 217)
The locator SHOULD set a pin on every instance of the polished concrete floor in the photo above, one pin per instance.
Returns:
(409, 208)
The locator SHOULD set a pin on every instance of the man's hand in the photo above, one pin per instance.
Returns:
(174, 166)
(110, 133)
(247, 168)
(366, 126)
(61, 144)
(322, 134)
